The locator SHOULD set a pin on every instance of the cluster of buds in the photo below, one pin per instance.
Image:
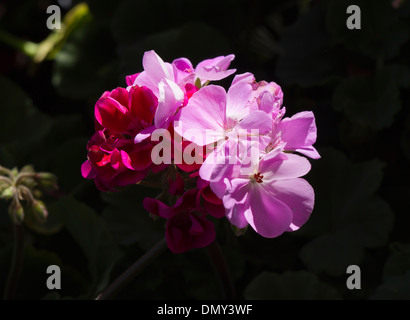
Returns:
(24, 189)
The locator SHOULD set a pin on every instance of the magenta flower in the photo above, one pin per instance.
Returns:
(186, 228)
(113, 158)
(269, 195)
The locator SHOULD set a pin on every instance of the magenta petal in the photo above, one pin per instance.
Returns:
(144, 134)
(267, 215)
(131, 79)
(157, 208)
(298, 195)
(87, 170)
(196, 227)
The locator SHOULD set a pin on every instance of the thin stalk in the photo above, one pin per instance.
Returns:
(16, 263)
(222, 270)
(126, 277)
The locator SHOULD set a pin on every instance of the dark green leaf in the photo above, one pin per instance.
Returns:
(348, 217)
(299, 285)
(92, 235)
(305, 58)
(128, 221)
(395, 288)
(370, 102)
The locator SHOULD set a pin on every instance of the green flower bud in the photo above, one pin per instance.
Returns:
(39, 211)
(7, 193)
(46, 181)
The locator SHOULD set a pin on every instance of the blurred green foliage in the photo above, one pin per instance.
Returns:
(355, 81)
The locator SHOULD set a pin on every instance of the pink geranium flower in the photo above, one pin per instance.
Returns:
(268, 195)
(174, 83)
(214, 116)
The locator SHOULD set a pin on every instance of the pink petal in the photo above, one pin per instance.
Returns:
(246, 77)
(267, 215)
(280, 166)
(237, 101)
(298, 131)
(155, 67)
(298, 195)
(236, 201)
(257, 120)
(215, 69)
(170, 98)
(204, 111)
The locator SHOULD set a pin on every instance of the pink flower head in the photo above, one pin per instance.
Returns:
(214, 116)
(113, 158)
(269, 195)
(186, 228)
(173, 84)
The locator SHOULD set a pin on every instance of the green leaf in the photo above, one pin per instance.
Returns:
(69, 173)
(299, 285)
(398, 262)
(395, 288)
(24, 127)
(85, 66)
(127, 219)
(92, 235)
(348, 217)
(369, 102)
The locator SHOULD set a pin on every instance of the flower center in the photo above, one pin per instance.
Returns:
(257, 177)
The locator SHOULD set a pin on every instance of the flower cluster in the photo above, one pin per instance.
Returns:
(216, 153)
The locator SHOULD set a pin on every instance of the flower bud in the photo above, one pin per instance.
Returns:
(6, 193)
(39, 211)
(47, 181)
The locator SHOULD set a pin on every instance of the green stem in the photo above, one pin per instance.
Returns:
(119, 283)
(16, 263)
(221, 268)
(27, 47)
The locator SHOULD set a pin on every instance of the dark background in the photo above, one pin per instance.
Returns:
(355, 81)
